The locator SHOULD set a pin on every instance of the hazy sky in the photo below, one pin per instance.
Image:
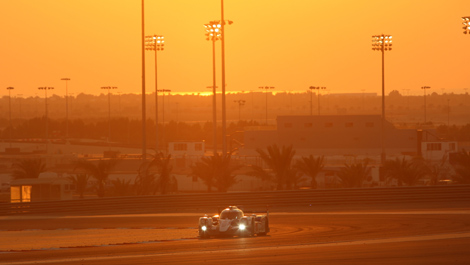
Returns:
(290, 45)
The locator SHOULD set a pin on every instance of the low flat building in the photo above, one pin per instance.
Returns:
(331, 135)
(41, 189)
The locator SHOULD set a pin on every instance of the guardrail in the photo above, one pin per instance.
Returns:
(249, 200)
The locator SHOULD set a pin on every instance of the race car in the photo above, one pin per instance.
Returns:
(233, 222)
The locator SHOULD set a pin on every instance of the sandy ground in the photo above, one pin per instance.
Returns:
(368, 236)
(40, 233)
(50, 239)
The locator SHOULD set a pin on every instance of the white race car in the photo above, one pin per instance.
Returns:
(233, 222)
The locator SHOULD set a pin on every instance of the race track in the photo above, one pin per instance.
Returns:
(366, 235)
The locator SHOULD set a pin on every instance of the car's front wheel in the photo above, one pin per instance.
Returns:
(248, 230)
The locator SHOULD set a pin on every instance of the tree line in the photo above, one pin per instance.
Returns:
(124, 131)
(287, 173)
(219, 172)
(454, 133)
(190, 108)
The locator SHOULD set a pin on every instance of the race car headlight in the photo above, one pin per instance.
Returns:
(203, 228)
(242, 227)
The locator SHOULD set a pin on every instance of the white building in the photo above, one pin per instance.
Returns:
(186, 148)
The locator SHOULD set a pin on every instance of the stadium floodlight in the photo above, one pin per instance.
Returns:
(155, 43)
(466, 25)
(382, 43)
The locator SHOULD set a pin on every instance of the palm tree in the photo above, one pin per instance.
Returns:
(404, 171)
(155, 175)
(462, 167)
(28, 168)
(122, 187)
(205, 171)
(164, 172)
(216, 171)
(310, 166)
(295, 178)
(279, 163)
(80, 181)
(173, 184)
(353, 176)
(145, 183)
(100, 171)
(259, 172)
(224, 168)
(437, 170)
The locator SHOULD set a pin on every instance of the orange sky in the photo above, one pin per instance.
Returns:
(290, 45)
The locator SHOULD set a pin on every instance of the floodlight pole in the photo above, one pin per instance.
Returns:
(9, 107)
(214, 100)
(266, 88)
(466, 28)
(241, 103)
(144, 135)
(155, 43)
(109, 111)
(424, 89)
(382, 43)
(311, 99)
(163, 115)
(224, 117)
(46, 116)
(213, 34)
(448, 112)
(318, 88)
(66, 79)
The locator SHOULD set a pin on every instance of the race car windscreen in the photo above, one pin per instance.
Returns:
(230, 214)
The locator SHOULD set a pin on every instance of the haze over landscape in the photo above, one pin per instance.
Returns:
(340, 135)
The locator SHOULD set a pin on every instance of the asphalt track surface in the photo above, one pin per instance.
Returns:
(416, 234)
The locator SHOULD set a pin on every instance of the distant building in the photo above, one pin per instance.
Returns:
(353, 94)
(189, 148)
(41, 189)
(332, 135)
(433, 148)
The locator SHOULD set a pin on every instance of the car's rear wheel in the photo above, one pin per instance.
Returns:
(266, 228)
(252, 228)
